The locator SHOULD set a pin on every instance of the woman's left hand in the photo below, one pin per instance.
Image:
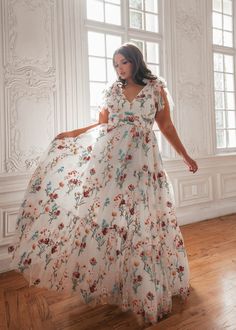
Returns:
(192, 165)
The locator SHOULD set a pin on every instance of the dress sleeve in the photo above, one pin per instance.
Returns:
(105, 98)
(159, 87)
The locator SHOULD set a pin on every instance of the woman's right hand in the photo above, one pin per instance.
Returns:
(64, 135)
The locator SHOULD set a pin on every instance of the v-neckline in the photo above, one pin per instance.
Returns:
(130, 102)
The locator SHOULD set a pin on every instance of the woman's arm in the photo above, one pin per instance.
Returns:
(103, 118)
(167, 128)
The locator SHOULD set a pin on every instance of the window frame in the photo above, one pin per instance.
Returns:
(163, 38)
(224, 50)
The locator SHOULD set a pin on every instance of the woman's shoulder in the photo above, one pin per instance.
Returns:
(111, 87)
(157, 83)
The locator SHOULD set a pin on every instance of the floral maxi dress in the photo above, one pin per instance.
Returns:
(98, 215)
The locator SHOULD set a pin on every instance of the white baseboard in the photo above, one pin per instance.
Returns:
(204, 213)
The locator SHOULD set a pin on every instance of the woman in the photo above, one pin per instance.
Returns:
(98, 215)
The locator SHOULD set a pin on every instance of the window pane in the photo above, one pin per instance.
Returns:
(116, 2)
(151, 23)
(230, 102)
(217, 20)
(112, 14)
(219, 81)
(228, 39)
(232, 138)
(221, 138)
(152, 52)
(136, 20)
(217, 5)
(228, 61)
(95, 10)
(229, 82)
(231, 122)
(220, 119)
(139, 44)
(219, 100)
(111, 74)
(96, 93)
(224, 78)
(218, 62)
(217, 37)
(151, 5)
(137, 4)
(112, 43)
(155, 69)
(227, 23)
(97, 69)
(101, 47)
(227, 7)
(96, 44)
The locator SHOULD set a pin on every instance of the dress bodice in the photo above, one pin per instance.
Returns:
(141, 111)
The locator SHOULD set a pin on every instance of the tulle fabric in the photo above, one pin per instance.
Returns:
(98, 216)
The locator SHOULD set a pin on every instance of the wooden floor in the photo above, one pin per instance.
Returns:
(211, 247)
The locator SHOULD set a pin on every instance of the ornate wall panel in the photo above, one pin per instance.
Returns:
(30, 81)
(191, 94)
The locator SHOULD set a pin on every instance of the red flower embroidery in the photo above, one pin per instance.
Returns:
(128, 157)
(60, 147)
(86, 193)
(180, 269)
(11, 248)
(93, 261)
(131, 187)
(76, 274)
(61, 226)
(169, 204)
(54, 249)
(105, 230)
(27, 262)
(150, 296)
(145, 168)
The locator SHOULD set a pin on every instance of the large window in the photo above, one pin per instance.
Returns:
(224, 56)
(108, 24)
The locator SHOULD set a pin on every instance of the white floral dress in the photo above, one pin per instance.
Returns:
(98, 216)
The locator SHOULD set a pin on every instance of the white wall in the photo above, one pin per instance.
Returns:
(41, 91)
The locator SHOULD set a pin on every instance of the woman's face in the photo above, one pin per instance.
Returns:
(123, 67)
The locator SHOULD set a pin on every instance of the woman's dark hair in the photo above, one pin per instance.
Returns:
(132, 54)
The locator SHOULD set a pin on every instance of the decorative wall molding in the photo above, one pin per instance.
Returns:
(29, 116)
(29, 81)
(192, 191)
(12, 184)
(188, 20)
(30, 77)
(191, 80)
(227, 185)
(29, 46)
(9, 223)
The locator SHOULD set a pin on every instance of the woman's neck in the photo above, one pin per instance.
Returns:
(131, 83)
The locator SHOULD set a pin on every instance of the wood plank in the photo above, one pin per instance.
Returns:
(3, 320)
